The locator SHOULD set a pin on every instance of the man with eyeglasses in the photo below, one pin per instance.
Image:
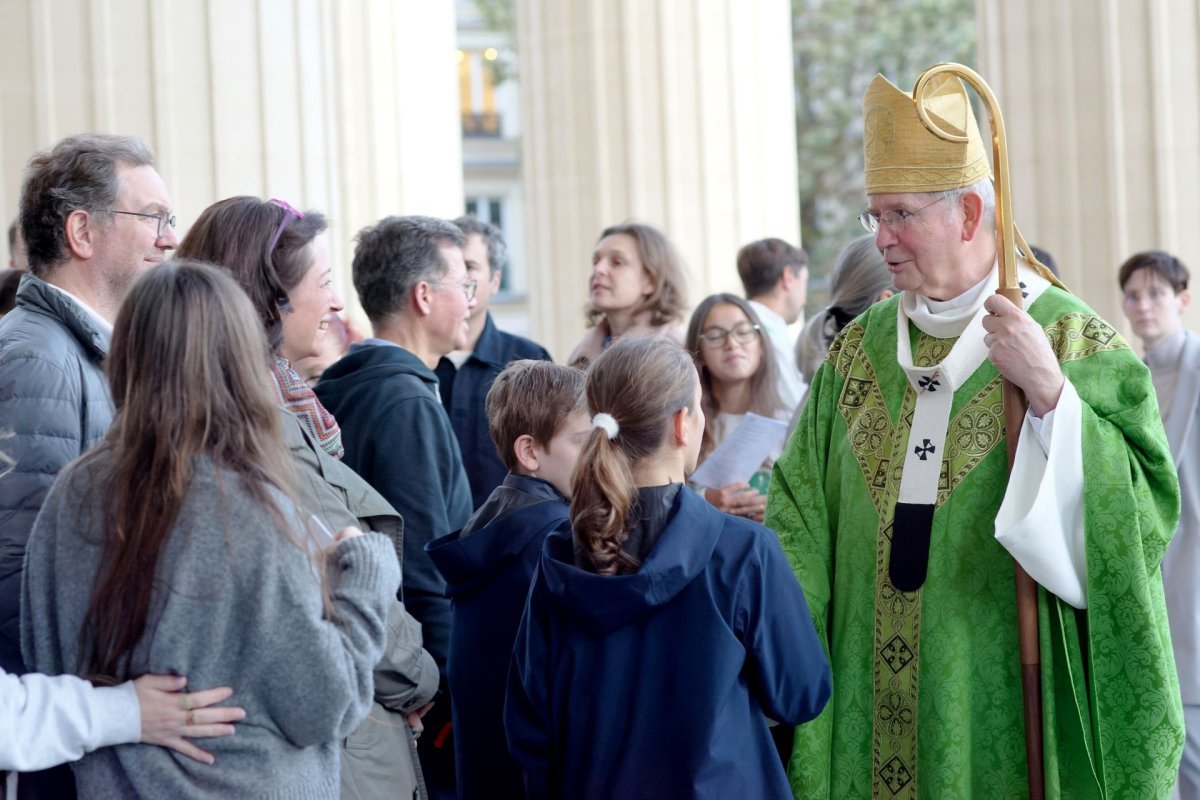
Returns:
(894, 507)
(94, 214)
(466, 375)
(413, 284)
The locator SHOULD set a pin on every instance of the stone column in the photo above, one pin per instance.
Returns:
(349, 107)
(1101, 101)
(678, 114)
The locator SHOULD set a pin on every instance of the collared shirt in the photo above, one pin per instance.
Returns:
(103, 326)
(791, 382)
(464, 389)
(1163, 361)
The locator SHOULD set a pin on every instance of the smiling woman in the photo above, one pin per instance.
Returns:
(737, 376)
(279, 256)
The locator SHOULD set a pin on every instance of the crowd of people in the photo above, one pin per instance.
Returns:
(246, 551)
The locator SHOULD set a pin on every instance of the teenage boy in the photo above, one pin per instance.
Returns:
(1154, 289)
(536, 422)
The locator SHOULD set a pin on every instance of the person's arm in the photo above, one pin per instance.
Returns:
(792, 680)
(43, 434)
(740, 499)
(50, 720)
(406, 678)
(419, 470)
(321, 668)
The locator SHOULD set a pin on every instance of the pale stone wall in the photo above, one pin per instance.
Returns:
(349, 107)
(678, 114)
(1101, 101)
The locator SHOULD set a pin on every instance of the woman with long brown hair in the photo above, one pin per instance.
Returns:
(280, 257)
(659, 633)
(637, 288)
(176, 546)
(737, 376)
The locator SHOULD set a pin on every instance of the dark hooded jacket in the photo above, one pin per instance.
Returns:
(398, 438)
(659, 683)
(464, 392)
(488, 566)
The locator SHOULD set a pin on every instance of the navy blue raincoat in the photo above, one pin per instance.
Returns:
(659, 684)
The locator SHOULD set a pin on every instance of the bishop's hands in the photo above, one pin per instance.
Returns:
(1018, 347)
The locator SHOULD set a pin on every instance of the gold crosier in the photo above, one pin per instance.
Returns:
(1007, 236)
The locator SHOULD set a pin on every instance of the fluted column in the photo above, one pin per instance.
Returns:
(350, 107)
(1101, 99)
(679, 114)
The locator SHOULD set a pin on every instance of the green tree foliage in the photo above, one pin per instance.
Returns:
(839, 46)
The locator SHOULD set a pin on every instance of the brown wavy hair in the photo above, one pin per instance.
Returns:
(641, 382)
(235, 233)
(764, 384)
(662, 263)
(187, 369)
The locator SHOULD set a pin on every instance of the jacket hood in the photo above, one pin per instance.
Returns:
(366, 363)
(605, 603)
(469, 562)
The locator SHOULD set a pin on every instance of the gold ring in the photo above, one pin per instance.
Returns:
(191, 718)
(185, 702)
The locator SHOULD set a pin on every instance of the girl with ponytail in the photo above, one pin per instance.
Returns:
(659, 633)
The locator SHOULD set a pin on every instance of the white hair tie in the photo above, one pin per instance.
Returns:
(608, 424)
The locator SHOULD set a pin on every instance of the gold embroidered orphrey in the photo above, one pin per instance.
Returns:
(878, 446)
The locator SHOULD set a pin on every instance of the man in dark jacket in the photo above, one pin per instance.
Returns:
(94, 213)
(465, 375)
(412, 282)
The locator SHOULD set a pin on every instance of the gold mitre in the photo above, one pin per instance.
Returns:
(902, 155)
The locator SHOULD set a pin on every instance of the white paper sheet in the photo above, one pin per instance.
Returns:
(742, 453)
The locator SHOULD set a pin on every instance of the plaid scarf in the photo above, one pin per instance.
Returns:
(299, 398)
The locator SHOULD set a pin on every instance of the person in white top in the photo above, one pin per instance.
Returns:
(1154, 287)
(737, 375)
(775, 277)
(53, 720)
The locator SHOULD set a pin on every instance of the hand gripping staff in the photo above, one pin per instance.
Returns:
(1007, 236)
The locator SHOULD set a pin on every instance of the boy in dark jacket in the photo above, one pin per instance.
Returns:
(538, 429)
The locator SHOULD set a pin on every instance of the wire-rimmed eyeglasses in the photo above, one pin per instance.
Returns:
(165, 218)
(894, 220)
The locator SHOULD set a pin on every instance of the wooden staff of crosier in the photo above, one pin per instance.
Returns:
(1007, 237)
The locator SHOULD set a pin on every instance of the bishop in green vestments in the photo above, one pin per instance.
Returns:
(892, 503)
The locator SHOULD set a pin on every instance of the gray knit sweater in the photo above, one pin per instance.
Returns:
(235, 605)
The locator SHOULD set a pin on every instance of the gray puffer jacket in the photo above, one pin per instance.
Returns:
(54, 405)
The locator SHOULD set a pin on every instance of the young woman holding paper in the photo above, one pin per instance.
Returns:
(737, 376)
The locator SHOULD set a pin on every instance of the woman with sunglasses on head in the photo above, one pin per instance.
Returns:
(280, 257)
(177, 546)
(737, 375)
(637, 288)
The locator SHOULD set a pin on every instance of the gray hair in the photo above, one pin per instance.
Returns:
(493, 237)
(80, 172)
(983, 188)
(394, 255)
(857, 278)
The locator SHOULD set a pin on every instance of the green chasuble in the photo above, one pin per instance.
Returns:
(926, 684)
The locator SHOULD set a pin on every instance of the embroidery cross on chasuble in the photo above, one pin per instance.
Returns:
(926, 697)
